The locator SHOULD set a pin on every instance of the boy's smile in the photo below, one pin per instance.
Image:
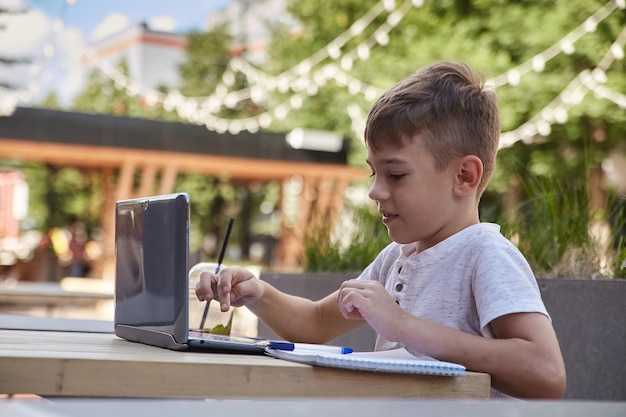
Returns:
(388, 218)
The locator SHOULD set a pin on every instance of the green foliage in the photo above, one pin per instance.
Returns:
(211, 198)
(350, 250)
(322, 22)
(493, 36)
(617, 252)
(51, 101)
(59, 195)
(208, 55)
(620, 259)
(543, 231)
(36, 176)
(103, 96)
(555, 228)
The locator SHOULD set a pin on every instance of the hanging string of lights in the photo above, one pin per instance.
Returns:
(262, 82)
(603, 92)
(512, 76)
(539, 126)
(564, 45)
(304, 79)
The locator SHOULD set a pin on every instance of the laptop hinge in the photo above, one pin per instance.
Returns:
(149, 337)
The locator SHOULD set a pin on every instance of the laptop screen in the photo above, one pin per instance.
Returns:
(152, 261)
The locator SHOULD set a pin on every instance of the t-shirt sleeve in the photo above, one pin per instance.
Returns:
(503, 283)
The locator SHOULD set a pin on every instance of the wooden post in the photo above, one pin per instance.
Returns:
(168, 179)
(105, 268)
(148, 176)
(124, 187)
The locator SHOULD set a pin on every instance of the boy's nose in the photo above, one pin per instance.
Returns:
(376, 192)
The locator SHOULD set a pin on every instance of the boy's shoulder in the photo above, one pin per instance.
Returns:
(482, 236)
(478, 238)
(485, 244)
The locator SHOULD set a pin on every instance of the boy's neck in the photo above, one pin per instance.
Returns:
(461, 223)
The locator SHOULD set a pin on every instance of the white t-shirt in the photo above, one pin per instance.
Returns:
(463, 282)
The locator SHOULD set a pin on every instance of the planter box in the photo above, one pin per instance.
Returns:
(589, 317)
(316, 286)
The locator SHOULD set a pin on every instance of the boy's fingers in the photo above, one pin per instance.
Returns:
(223, 286)
(205, 286)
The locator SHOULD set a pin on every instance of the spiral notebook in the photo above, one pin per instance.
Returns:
(395, 361)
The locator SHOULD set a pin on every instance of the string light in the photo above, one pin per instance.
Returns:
(557, 110)
(298, 79)
(538, 64)
(564, 45)
(304, 79)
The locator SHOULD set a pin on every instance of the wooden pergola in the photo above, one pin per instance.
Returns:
(124, 148)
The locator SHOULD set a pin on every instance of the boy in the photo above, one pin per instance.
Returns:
(447, 286)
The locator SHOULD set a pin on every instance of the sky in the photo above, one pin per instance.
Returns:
(26, 35)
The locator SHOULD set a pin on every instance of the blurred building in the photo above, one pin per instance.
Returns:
(153, 57)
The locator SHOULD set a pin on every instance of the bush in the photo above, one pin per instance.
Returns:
(562, 237)
(346, 250)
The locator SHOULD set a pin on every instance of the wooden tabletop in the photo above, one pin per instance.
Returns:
(50, 363)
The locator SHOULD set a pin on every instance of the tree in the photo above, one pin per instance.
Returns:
(208, 55)
(216, 199)
(102, 95)
(51, 101)
(494, 36)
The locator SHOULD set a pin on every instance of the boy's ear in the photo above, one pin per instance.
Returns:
(468, 175)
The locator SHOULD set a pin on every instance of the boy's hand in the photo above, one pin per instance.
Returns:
(231, 286)
(370, 301)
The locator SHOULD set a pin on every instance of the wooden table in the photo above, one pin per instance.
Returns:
(52, 363)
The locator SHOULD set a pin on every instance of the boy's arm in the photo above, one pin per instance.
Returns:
(524, 360)
(293, 318)
(299, 319)
(533, 365)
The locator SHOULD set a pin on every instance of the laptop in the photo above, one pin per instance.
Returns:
(151, 282)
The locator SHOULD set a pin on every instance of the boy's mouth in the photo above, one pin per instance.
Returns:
(388, 217)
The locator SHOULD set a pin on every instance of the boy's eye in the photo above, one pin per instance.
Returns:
(393, 177)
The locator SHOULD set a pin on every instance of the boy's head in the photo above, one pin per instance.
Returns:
(445, 106)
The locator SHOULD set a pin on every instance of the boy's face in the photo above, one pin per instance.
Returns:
(416, 202)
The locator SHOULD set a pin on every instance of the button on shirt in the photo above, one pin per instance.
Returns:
(398, 282)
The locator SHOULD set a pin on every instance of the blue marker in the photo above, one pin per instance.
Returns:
(307, 347)
(280, 345)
